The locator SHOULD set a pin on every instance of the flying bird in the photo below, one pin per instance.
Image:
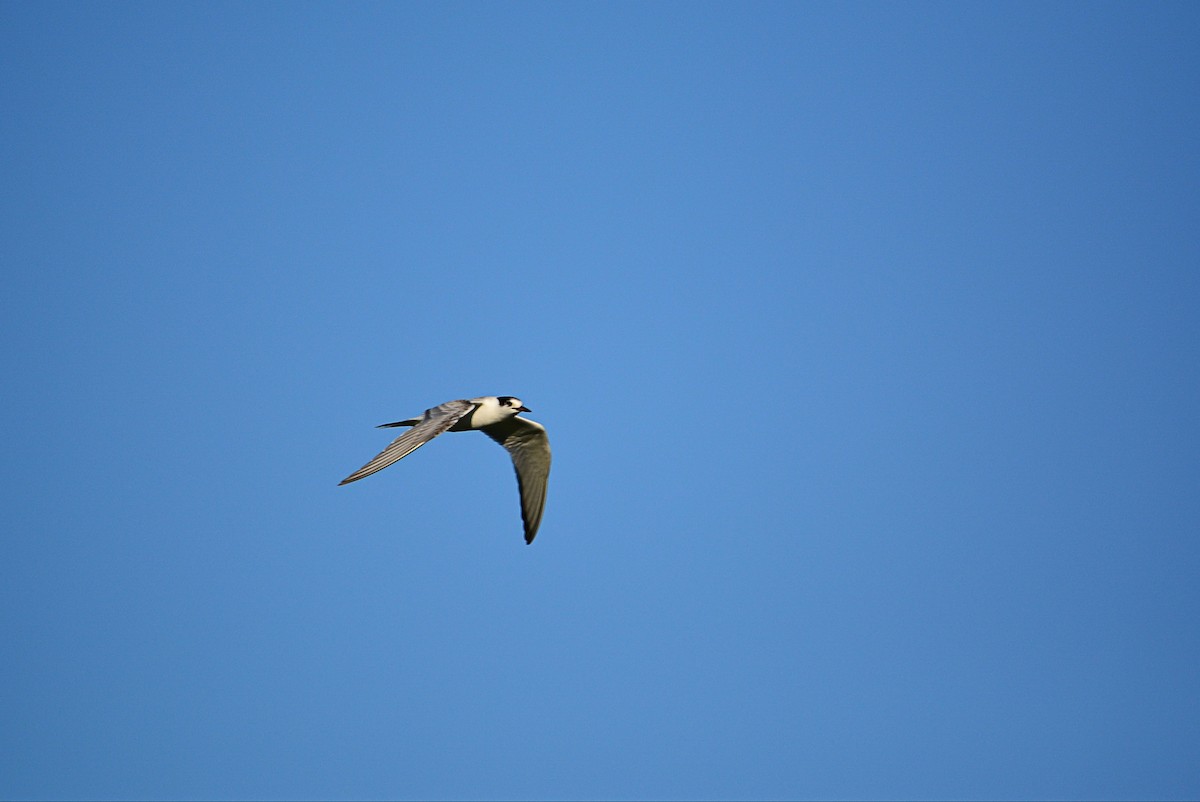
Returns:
(495, 416)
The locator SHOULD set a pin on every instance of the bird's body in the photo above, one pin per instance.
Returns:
(495, 416)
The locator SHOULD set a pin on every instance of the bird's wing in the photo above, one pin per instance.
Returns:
(434, 422)
(527, 444)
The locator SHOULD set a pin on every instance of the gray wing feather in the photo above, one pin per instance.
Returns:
(434, 422)
(529, 447)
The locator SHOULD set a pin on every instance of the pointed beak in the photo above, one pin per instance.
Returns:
(524, 409)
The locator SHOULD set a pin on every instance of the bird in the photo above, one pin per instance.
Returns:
(496, 416)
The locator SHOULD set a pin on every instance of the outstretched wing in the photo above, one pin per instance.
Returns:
(434, 422)
(527, 444)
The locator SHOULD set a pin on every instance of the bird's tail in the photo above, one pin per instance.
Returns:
(409, 422)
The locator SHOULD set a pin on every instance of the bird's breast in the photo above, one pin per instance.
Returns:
(482, 416)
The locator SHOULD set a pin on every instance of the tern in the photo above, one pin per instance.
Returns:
(495, 416)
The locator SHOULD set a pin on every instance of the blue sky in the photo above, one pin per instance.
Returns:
(866, 336)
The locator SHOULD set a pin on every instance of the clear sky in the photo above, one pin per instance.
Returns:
(867, 336)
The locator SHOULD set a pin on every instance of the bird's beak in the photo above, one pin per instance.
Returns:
(524, 409)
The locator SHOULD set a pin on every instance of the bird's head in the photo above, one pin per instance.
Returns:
(508, 402)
